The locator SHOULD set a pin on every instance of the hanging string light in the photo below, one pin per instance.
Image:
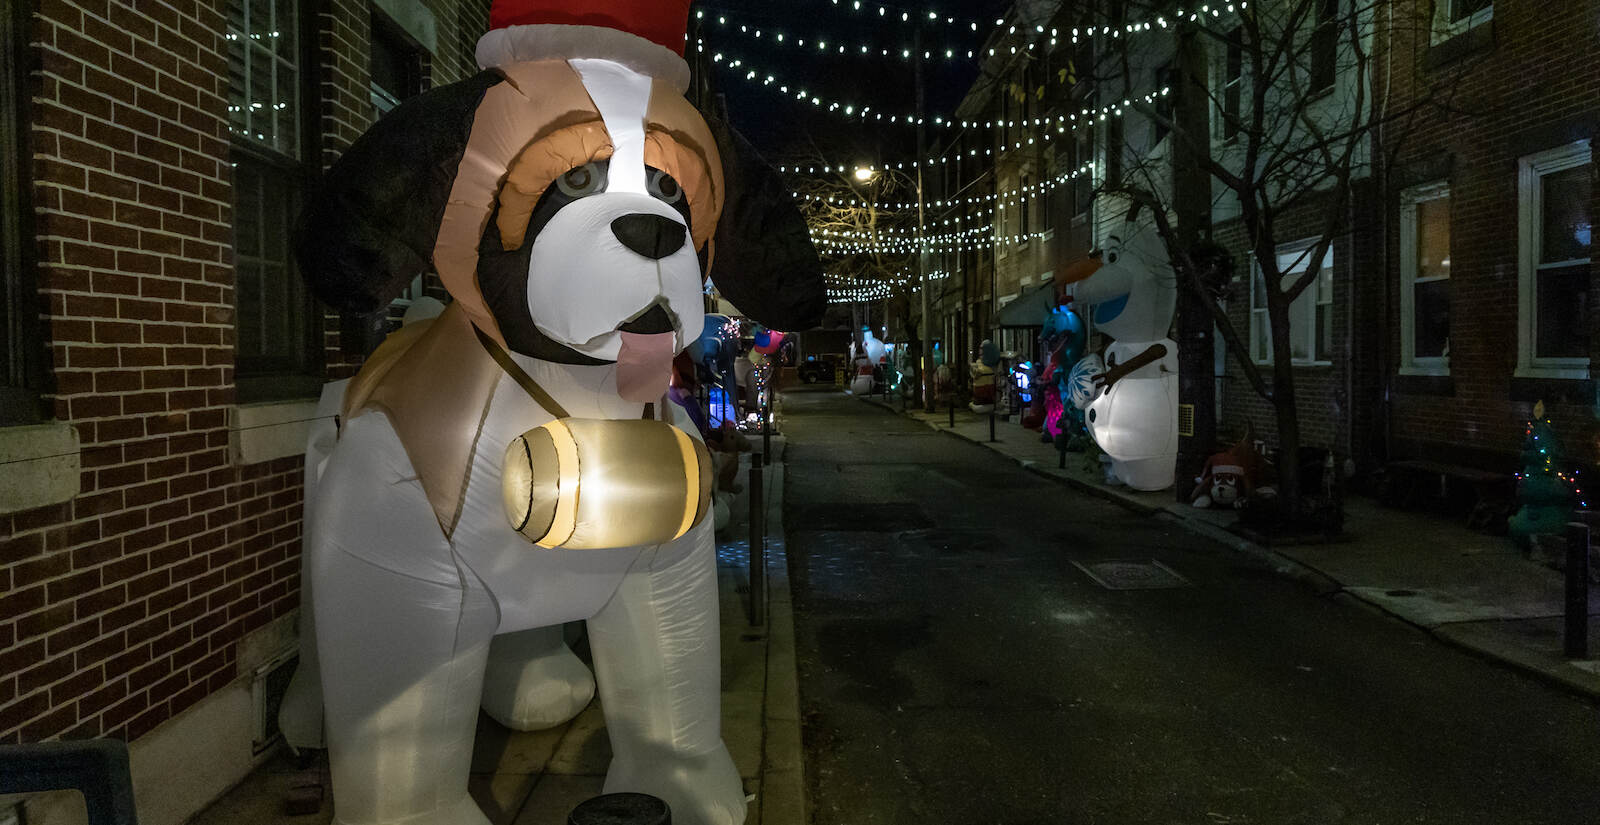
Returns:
(822, 45)
(1008, 196)
(867, 114)
(1039, 37)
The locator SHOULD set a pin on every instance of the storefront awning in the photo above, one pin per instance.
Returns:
(1030, 308)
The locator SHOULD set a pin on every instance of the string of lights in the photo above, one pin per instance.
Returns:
(1038, 33)
(866, 113)
(1005, 197)
(826, 46)
(946, 244)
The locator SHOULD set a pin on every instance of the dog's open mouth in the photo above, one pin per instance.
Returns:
(644, 362)
(652, 321)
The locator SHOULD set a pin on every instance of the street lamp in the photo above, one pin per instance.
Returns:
(864, 174)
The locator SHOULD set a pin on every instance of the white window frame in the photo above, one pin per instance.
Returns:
(1530, 217)
(1410, 364)
(1302, 312)
(1443, 29)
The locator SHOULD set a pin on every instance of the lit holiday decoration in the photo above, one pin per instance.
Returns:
(866, 114)
(1002, 198)
(763, 37)
(1546, 492)
(909, 19)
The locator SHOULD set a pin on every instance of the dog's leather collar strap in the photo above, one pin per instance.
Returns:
(519, 375)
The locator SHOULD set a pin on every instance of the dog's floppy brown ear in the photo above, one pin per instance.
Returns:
(763, 260)
(371, 226)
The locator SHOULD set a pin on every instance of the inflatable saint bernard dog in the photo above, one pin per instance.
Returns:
(510, 466)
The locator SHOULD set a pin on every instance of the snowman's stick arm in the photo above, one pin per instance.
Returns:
(1152, 354)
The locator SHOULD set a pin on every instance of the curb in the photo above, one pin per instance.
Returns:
(1319, 582)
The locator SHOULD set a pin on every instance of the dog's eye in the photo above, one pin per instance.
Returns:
(585, 180)
(664, 188)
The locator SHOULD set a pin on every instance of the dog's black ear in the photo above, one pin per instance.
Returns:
(371, 226)
(762, 257)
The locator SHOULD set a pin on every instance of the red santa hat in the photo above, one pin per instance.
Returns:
(644, 35)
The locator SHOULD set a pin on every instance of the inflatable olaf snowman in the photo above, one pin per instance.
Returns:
(1132, 412)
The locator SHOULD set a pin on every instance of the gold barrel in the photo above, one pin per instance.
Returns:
(586, 484)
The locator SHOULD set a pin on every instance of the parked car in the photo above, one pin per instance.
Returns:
(819, 368)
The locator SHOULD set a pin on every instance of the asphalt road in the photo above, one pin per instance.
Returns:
(957, 667)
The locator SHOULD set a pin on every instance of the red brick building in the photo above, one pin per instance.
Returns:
(1490, 295)
(160, 356)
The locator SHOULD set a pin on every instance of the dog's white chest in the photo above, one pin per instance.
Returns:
(535, 586)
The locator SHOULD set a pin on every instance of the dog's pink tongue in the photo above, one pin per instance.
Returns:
(644, 365)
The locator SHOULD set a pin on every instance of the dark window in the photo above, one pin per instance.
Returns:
(1233, 85)
(396, 65)
(1083, 184)
(278, 345)
(1324, 44)
(1462, 9)
(1114, 139)
(1561, 288)
(21, 361)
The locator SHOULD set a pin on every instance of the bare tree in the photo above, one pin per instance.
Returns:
(1292, 129)
(864, 231)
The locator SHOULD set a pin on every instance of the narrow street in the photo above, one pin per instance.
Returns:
(956, 666)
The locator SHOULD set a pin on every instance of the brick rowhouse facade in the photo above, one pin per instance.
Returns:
(128, 602)
(1527, 85)
(1335, 397)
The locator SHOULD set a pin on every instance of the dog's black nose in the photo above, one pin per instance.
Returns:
(656, 320)
(652, 236)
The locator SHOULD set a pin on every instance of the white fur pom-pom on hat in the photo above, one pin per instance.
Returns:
(647, 36)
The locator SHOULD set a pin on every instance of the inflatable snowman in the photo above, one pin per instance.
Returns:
(872, 351)
(1131, 408)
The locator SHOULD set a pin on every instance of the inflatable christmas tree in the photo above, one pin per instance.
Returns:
(1544, 491)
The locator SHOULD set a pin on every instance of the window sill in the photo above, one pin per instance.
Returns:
(42, 465)
(1425, 370)
(1447, 46)
(268, 431)
(1573, 372)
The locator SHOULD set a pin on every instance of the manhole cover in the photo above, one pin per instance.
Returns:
(853, 516)
(1132, 575)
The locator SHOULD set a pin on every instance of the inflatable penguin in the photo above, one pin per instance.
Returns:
(1132, 412)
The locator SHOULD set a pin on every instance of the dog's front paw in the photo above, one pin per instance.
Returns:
(700, 790)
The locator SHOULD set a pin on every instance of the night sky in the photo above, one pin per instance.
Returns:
(785, 129)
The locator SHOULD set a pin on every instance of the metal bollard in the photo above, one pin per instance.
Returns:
(952, 412)
(621, 809)
(1576, 637)
(991, 426)
(758, 546)
(766, 436)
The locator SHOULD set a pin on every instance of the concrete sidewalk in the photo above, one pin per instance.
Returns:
(1466, 588)
(538, 778)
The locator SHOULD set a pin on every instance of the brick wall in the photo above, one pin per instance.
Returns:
(1529, 86)
(1333, 400)
(125, 606)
